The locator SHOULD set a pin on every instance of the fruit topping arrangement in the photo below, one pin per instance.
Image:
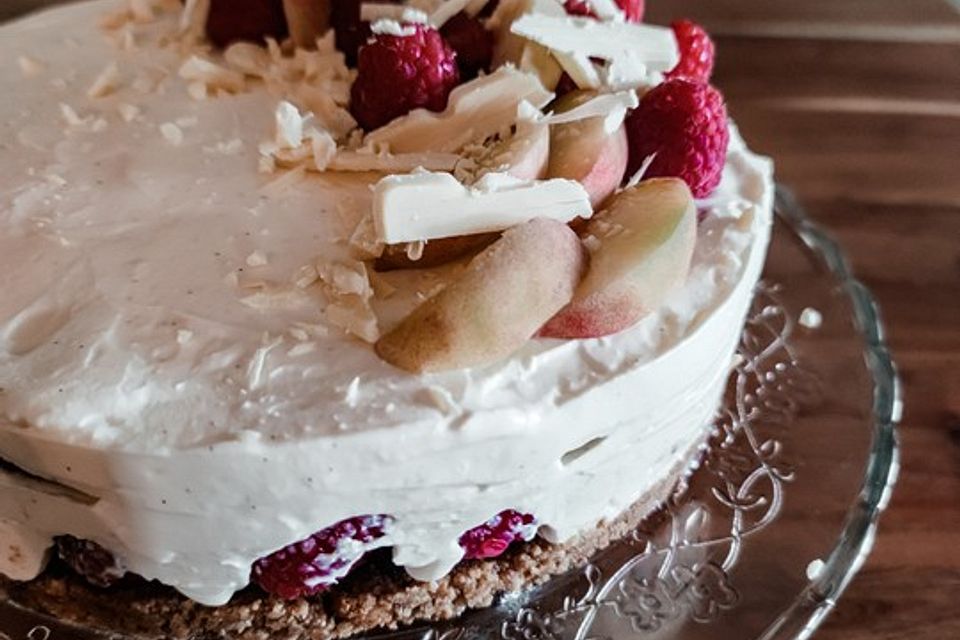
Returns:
(551, 150)
(504, 295)
(502, 134)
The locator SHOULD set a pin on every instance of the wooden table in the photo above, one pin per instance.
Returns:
(858, 101)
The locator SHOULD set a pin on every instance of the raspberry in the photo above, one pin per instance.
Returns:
(472, 42)
(697, 52)
(685, 124)
(90, 560)
(397, 74)
(250, 20)
(492, 538)
(312, 565)
(632, 9)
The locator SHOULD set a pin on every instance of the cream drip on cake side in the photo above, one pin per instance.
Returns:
(135, 370)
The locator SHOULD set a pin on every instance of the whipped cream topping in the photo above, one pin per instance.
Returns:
(187, 404)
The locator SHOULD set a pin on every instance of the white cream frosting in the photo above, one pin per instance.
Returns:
(198, 433)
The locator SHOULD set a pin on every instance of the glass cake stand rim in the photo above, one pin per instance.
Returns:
(812, 606)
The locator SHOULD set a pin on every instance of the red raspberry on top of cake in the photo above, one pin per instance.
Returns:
(682, 126)
(399, 73)
(697, 52)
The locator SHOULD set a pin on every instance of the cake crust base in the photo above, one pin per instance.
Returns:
(377, 595)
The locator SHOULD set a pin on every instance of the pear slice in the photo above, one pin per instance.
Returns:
(500, 300)
(585, 151)
(537, 59)
(435, 253)
(307, 20)
(644, 246)
(524, 155)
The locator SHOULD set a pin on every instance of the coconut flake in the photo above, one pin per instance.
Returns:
(364, 238)
(306, 276)
(326, 111)
(302, 349)
(197, 91)
(324, 148)
(248, 58)
(30, 67)
(637, 177)
(277, 299)
(226, 148)
(355, 318)
(348, 285)
(71, 117)
(211, 74)
(289, 124)
(612, 107)
(347, 278)
(257, 259)
(172, 133)
(385, 26)
(365, 160)
(414, 250)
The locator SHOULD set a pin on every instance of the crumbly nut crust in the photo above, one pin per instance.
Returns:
(377, 595)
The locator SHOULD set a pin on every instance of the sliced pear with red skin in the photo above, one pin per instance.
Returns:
(524, 155)
(585, 151)
(645, 241)
(495, 306)
(435, 252)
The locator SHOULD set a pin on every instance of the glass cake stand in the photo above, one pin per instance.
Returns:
(778, 518)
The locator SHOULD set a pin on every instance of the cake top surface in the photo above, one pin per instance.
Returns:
(161, 291)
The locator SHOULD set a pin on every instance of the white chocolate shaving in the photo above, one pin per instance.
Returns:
(426, 206)
(475, 111)
(612, 107)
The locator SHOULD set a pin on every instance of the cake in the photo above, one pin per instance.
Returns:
(259, 362)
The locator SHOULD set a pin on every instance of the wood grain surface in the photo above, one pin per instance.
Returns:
(858, 101)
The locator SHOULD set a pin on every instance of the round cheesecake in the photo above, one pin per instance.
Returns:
(177, 383)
